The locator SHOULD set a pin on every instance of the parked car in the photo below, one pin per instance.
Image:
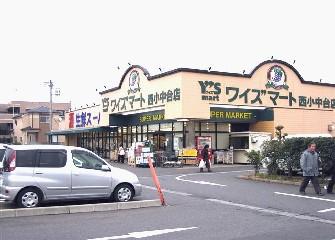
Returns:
(32, 174)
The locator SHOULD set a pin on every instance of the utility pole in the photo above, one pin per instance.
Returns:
(51, 85)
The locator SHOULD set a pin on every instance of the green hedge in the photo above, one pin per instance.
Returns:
(284, 156)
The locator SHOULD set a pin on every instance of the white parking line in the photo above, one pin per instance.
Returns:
(307, 197)
(199, 182)
(275, 212)
(167, 191)
(327, 210)
(145, 234)
(210, 173)
(197, 173)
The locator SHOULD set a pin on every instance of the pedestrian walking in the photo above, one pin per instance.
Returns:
(309, 163)
(205, 157)
(121, 153)
(331, 173)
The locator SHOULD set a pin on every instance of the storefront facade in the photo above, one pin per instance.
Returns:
(173, 108)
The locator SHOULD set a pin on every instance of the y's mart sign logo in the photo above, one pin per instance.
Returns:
(210, 90)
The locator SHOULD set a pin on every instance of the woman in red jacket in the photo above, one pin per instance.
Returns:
(205, 157)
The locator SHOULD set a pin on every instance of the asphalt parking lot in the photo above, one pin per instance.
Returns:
(215, 205)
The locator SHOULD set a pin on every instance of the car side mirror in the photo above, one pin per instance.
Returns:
(105, 168)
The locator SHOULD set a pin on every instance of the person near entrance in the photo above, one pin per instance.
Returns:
(205, 157)
(121, 153)
(309, 163)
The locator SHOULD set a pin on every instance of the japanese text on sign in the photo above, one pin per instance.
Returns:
(86, 119)
(139, 101)
(257, 96)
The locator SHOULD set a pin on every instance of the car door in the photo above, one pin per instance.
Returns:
(91, 177)
(53, 173)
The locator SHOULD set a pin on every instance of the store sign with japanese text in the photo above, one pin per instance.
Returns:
(276, 79)
(136, 99)
(80, 119)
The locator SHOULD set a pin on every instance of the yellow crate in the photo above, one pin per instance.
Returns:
(188, 152)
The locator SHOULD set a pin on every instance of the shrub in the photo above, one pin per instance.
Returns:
(255, 159)
(284, 156)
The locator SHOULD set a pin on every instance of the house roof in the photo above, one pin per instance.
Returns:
(41, 109)
(29, 129)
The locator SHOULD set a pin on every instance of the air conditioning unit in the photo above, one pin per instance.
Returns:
(254, 139)
(331, 127)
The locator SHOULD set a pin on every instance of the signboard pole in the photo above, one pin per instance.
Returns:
(156, 181)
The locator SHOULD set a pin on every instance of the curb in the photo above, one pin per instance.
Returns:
(269, 180)
(101, 207)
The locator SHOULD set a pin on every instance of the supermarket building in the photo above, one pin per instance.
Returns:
(173, 108)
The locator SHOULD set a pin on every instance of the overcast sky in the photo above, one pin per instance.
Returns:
(79, 44)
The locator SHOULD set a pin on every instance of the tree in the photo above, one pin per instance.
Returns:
(279, 134)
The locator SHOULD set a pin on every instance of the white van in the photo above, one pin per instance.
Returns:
(32, 174)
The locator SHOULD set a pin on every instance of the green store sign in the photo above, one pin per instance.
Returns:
(236, 115)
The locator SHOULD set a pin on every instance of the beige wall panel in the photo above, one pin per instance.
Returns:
(263, 126)
(257, 81)
(147, 87)
(300, 121)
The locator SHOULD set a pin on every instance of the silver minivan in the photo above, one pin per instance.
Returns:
(31, 174)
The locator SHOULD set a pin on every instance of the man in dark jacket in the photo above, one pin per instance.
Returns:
(309, 163)
(331, 182)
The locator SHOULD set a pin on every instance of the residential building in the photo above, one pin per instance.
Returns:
(28, 116)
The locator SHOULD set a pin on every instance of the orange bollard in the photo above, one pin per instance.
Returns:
(156, 181)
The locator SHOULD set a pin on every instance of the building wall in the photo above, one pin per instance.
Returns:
(71, 140)
(42, 134)
(32, 120)
(301, 121)
(193, 105)
(172, 109)
(263, 126)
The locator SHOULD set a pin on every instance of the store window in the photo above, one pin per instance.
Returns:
(177, 141)
(166, 127)
(153, 128)
(139, 133)
(223, 127)
(240, 142)
(207, 127)
(178, 126)
(222, 141)
(144, 132)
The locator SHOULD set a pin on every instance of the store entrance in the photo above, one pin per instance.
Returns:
(159, 141)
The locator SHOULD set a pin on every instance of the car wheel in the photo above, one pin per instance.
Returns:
(29, 198)
(123, 193)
